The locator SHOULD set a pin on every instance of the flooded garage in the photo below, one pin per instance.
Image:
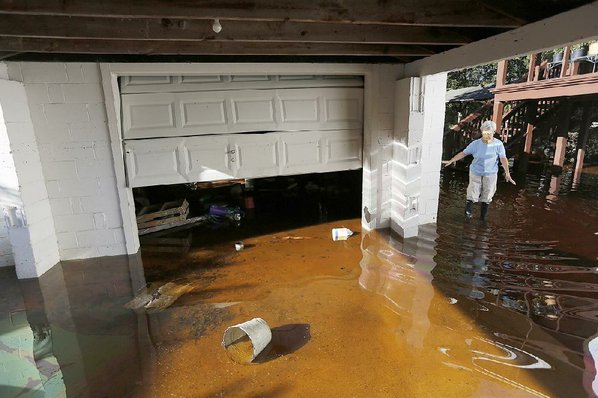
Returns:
(505, 307)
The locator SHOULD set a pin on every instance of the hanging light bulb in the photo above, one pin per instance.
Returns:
(216, 27)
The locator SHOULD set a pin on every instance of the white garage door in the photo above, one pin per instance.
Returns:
(240, 130)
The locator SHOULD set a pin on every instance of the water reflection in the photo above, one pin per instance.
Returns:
(67, 333)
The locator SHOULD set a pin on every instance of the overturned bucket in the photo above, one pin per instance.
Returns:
(245, 341)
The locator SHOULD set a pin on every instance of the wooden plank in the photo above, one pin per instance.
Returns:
(188, 221)
(146, 47)
(501, 73)
(174, 208)
(422, 12)
(531, 68)
(565, 64)
(551, 88)
(199, 30)
(163, 221)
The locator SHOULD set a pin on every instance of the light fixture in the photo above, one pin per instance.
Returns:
(216, 27)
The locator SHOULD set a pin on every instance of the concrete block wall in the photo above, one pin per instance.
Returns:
(69, 118)
(378, 148)
(417, 151)
(9, 188)
(24, 196)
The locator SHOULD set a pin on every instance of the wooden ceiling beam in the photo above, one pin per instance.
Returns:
(161, 47)
(405, 12)
(197, 30)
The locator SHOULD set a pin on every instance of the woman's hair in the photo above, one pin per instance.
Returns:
(488, 125)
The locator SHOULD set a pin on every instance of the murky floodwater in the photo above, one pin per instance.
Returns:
(501, 308)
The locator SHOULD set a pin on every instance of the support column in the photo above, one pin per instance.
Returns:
(498, 108)
(417, 152)
(529, 138)
(23, 197)
(562, 134)
(582, 140)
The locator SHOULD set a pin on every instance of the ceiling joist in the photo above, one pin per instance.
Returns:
(148, 47)
(196, 30)
(405, 12)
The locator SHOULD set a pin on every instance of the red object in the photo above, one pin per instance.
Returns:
(249, 204)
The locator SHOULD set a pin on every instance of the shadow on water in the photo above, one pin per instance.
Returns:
(286, 340)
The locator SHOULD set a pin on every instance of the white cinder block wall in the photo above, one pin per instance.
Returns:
(24, 197)
(419, 121)
(8, 193)
(69, 117)
(377, 146)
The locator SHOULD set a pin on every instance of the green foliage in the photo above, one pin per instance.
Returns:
(478, 75)
(485, 75)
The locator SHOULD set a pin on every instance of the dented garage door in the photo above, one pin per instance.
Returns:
(231, 132)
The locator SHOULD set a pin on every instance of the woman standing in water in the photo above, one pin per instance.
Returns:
(483, 172)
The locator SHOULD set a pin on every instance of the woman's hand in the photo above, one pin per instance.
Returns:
(447, 163)
(510, 179)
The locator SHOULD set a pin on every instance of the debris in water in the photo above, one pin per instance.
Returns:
(239, 246)
(341, 233)
(453, 300)
(244, 342)
(160, 298)
(290, 237)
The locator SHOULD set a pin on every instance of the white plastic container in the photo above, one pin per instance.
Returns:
(245, 341)
(341, 233)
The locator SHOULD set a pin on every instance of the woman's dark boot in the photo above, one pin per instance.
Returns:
(484, 210)
(468, 209)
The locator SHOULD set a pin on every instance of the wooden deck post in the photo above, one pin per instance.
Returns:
(562, 134)
(497, 111)
(565, 64)
(498, 108)
(531, 69)
(529, 137)
(582, 140)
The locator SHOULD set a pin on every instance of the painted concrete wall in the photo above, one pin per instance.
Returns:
(69, 117)
(23, 193)
(417, 152)
(378, 146)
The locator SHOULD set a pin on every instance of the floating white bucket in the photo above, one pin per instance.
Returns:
(245, 341)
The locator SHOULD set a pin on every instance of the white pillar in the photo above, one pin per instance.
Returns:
(23, 194)
(417, 151)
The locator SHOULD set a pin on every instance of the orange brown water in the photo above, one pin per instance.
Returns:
(241, 350)
(495, 309)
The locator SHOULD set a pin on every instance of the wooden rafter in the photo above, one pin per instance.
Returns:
(416, 12)
(233, 30)
(100, 46)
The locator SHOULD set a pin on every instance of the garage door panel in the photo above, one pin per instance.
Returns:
(153, 115)
(344, 147)
(201, 114)
(144, 117)
(153, 162)
(207, 159)
(255, 154)
(253, 110)
(301, 152)
(344, 112)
